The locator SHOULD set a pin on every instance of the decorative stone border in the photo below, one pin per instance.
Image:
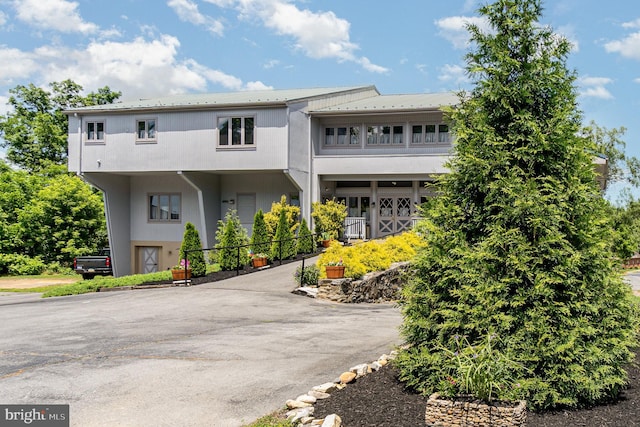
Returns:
(462, 411)
(301, 409)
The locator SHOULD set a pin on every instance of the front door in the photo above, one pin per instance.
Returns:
(148, 258)
(394, 215)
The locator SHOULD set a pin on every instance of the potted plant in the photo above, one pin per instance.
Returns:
(325, 239)
(258, 260)
(334, 270)
(181, 271)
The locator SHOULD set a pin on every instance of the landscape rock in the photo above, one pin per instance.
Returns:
(300, 413)
(318, 394)
(306, 399)
(360, 370)
(347, 377)
(326, 388)
(332, 420)
(295, 404)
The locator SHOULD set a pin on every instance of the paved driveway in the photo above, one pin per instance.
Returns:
(220, 354)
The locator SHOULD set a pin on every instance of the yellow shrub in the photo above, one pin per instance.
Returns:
(374, 255)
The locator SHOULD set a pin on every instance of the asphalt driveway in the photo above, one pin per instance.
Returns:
(220, 354)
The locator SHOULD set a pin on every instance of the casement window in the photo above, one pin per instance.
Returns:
(385, 135)
(236, 131)
(164, 207)
(430, 134)
(146, 130)
(95, 132)
(342, 136)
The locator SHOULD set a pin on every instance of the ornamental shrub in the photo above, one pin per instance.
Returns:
(272, 217)
(307, 277)
(328, 218)
(305, 239)
(518, 240)
(21, 265)
(191, 242)
(283, 245)
(260, 242)
(231, 235)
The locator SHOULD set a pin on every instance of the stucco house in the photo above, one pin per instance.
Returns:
(165, 161)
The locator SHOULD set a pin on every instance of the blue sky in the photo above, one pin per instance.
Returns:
(147, 48)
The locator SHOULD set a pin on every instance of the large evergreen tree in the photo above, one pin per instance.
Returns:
(518, 241)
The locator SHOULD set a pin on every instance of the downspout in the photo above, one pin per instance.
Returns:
(203, 223)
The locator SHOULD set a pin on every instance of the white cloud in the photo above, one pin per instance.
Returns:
(632, 24)
(271, 63)
(188, 11)
(59, 15)
(594, 87)
(453, 74)
(319, 35)
(138, 68)
(16, 64)
(3, 18)
(636, 80)
(454, 29)
(629, 47)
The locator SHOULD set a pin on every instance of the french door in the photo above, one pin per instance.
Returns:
(394, 214)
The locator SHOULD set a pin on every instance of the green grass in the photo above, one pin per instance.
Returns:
(275, 419)
(87, 286)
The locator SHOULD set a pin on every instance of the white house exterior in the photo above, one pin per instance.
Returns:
(163, 162)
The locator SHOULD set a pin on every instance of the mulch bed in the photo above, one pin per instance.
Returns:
(381, 400)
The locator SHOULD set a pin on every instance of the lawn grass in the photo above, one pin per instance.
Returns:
(276, 419)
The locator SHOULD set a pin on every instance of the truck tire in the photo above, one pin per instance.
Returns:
(87, 276)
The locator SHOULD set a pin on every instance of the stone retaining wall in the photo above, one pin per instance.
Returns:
(380, 286)
(461, 413)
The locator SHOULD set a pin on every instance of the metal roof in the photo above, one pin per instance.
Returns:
(391, 103)
(228, 99)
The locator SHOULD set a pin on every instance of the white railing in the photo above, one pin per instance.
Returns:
(355, 227)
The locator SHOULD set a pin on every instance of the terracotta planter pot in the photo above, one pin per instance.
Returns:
(258, 262)
(178, 274)
(326, 243)
(470, 412)
(335, 271)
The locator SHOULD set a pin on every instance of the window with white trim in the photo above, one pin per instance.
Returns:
(164, 207)
(430, 134)
(385, 135)
(342, 136)
(95, 132)
(146, 130)
(236, 131)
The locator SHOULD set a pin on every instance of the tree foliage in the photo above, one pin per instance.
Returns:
(231, 235)
(260, 242)
(272, 217)
(328, 218)
(519, 238)
(62, 220)
(192, 246)
(305, 239)
(35, 131)
(283, 245)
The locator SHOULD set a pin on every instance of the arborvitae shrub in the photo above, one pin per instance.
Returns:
(283, 245)
(518, 240)
(260, 242)
(230, 235)
(305, 239)
(191, 241)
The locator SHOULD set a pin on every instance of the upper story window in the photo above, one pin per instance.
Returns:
(385, 135)
(146, 130)
(342, 136)
(236, 131)
(95, 131)
(164, 207)
(430, 134)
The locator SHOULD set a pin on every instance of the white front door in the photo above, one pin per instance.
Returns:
(148, 258)
(394, 214)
